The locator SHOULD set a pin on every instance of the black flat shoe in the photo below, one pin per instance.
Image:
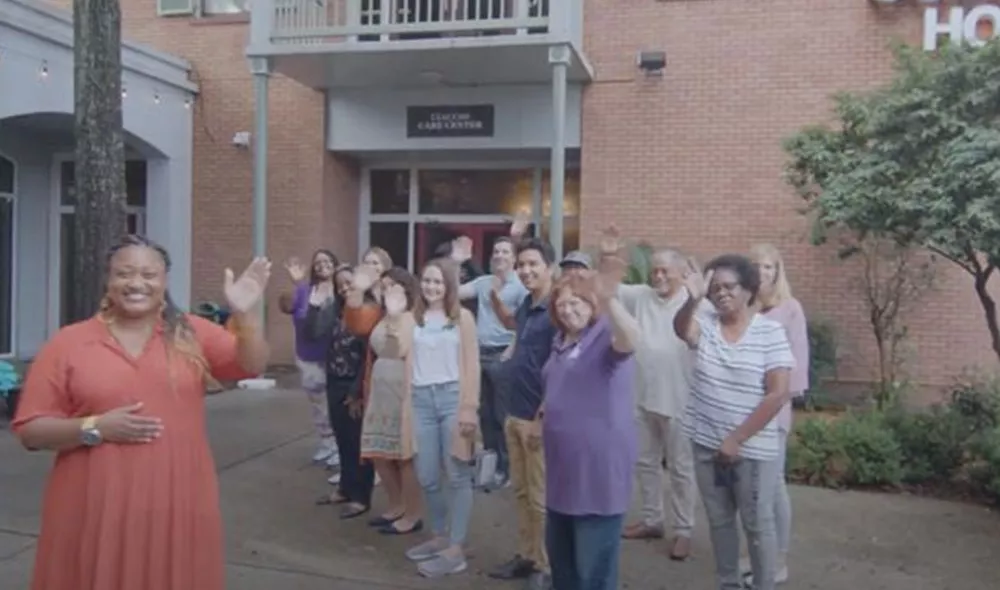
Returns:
(382, 521)
(390, 529)
(354, 511)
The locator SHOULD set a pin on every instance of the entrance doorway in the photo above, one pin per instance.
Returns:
(412, 211)
(430, 236)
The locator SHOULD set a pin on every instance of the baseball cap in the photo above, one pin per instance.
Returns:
(577, 257)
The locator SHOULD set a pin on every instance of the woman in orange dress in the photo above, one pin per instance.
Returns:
(132, 501)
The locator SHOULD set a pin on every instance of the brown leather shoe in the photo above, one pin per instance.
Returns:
(641, 530)
(680, 549)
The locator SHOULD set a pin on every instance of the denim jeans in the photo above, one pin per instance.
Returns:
(492, 412)
(583, 551)
(747, 488)
(435, 416)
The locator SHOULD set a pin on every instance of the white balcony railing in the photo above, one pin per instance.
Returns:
(295, 22)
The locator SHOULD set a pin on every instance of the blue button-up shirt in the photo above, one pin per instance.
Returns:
(490, 331)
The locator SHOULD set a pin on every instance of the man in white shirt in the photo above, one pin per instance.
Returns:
(663, 381)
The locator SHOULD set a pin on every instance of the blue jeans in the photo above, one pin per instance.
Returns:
(583, 551)
(435, 416)
(492, 413)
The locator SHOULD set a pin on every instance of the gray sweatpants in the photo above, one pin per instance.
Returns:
(748, 488)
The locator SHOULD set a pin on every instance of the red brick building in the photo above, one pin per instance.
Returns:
(688, 156)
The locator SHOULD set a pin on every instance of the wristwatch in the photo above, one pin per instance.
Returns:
(90, 436)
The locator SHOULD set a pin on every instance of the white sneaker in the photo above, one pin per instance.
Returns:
(334, 479)
(334, 459)
(327, 447)
(378, 479)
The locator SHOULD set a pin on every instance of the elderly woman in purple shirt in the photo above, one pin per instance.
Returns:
(588, 429)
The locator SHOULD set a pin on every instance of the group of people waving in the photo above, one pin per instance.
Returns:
(579, 385)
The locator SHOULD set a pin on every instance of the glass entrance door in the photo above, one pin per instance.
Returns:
(432, 235)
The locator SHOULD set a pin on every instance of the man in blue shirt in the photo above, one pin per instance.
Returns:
(526, 356)
(494, 338)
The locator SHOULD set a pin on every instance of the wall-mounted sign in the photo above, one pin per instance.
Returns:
(974, 21)
(974, 26)
(450, 121)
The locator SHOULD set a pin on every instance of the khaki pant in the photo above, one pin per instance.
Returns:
(662, 438)
(527, 475)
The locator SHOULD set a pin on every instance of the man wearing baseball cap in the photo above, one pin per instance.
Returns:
(576, 261)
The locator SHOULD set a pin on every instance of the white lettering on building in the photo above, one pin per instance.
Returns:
(958, 25)
(450, 122)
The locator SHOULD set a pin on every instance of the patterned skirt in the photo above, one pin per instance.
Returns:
(387, 431)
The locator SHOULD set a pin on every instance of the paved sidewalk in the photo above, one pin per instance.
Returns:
(277, 538)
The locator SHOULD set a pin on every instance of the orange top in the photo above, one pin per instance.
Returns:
(129, 516)
(360, 321)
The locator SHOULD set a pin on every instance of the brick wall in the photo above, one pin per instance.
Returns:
(694, 159)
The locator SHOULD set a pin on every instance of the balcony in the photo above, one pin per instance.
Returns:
(414, 43)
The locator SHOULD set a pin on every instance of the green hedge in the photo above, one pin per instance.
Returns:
(957, 442)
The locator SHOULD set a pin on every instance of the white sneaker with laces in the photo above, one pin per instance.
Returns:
(327, 448)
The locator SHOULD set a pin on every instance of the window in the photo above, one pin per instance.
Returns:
(170, 7)
(7, 186)
(394, 237)
(390, 190)
(225, 6)
(477, 192)
(135, 200)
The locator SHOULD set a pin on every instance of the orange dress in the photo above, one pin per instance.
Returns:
(123, 516)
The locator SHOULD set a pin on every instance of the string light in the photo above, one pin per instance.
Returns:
(8, 54)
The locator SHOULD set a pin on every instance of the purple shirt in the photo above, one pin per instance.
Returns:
(588, 429)
(311, 351)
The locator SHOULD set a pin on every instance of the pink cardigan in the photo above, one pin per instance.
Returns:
(790, 315)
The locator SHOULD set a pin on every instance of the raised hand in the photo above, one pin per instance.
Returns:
(609, 277)
(461, 249)
(521, 222)
(124, 425)
(696, 283)
(611, 241)
(364, 277)
(243, 293)
(394, 300)
(296, 270)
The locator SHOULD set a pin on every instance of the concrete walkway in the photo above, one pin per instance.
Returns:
(277, 538)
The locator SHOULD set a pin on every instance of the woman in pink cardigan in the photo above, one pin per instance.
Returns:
(776, 303)
(437, 341)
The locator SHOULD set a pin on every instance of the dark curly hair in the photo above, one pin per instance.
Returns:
(745, 271)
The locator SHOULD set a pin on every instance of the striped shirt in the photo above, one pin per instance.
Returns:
(729, 383)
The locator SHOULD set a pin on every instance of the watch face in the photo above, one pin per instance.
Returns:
(90, 437)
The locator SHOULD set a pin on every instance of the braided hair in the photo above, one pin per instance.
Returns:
(179, 335)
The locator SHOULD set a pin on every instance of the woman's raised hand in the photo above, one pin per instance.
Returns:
(697, 283)
(394, 300)
(296, 271)
(364, 278)
(244, 293)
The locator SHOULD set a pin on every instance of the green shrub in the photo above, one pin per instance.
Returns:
(874, 455)
(858, 449)
(822, 352)
(984, 465)
(978, 401)
(815, 456)
(933, 442)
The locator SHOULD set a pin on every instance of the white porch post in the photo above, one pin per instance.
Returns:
(261, 69)
(559, 58)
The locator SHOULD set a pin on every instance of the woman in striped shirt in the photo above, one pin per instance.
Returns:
(740, 383)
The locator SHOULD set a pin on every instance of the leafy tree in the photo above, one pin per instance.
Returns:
(100, 146)
(916, 162)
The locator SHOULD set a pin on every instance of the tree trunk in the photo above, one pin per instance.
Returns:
(100, 147)
(990, 309)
